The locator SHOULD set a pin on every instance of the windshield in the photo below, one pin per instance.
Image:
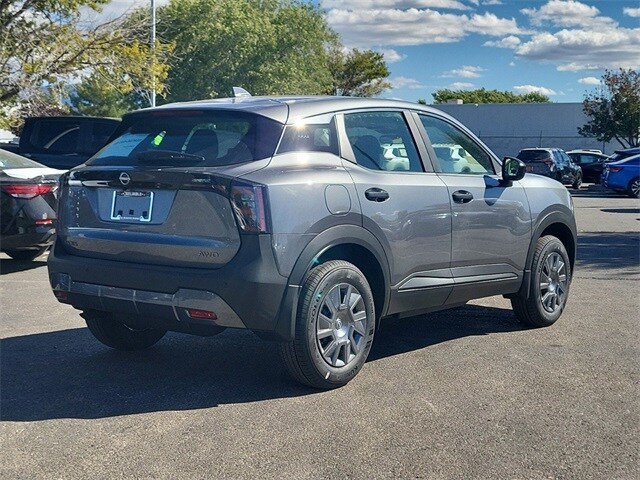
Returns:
(179, 138)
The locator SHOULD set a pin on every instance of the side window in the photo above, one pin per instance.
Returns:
(56, 136)
(313, 135)
(455, 150)
(99, 134)
(382, 141)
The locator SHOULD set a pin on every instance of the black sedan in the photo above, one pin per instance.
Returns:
(28, 197)
(591, 162)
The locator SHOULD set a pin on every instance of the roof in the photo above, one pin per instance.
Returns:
(287, 109)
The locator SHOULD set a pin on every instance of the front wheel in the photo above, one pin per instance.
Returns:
(578, 181)
(335, 326)
(549, 289)
(634, 188)
(114, 333)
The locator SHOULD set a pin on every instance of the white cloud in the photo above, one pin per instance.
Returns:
(460, 86)
(589, 81)
(512, 64)
(507, 42)
(406, 82)
(399, 4)
(577, 50)
(524, 89)
(117, 8)
(466, 71)
(631, 12)
(491, 2)
(567, 13)
(390, 55)
(394, 27)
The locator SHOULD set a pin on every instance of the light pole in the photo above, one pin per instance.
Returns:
(153, 53)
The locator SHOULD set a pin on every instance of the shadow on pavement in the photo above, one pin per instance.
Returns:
(608, 250)
(8, 265)
(68, 374)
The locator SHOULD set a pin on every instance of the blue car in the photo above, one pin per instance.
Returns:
(623, 176)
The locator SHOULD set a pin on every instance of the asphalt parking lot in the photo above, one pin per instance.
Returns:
(466, 393)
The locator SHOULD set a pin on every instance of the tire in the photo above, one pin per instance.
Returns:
(633, 190)
(577, 183)
(25, 255)
(116, 334)
(547, 299)
(332, 336)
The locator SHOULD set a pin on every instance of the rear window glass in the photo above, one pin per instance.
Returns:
(11, 160)
(202, 138)
(528, 156)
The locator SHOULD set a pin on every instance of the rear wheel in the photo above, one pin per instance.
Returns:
(550, 281)
(116, 334)
(25, 255)
(334, 328)
(633, 190)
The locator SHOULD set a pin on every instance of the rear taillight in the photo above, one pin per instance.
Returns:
(28, 190)
(249, 201)
(614, 169)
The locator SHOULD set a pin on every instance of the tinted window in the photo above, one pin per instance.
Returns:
(530, 156)
(382, 141)
(203, 138)
(99, 134)
(11, 160)
(56, 136)
(313, 135)
(455, 150)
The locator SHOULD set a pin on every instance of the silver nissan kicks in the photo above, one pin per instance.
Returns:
(307, 220)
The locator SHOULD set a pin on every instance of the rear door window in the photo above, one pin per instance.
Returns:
(202, 138)
(55, 136)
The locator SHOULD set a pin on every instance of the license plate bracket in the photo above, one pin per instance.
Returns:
(131, 206)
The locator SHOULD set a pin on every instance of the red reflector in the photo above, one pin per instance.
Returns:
(47, 221)
(60, 295)
(27, 190)
(614, 169)
(204, 314)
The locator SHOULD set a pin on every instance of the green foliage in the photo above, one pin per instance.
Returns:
(99, 96)
(265, 46)
(482, 95)
(43, 46)
(359, 73)
(614, 109)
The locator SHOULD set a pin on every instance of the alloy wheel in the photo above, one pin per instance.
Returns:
(553, 284)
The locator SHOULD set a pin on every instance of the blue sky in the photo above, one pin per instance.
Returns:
(557, 47)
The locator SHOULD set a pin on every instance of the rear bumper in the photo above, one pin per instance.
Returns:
(247, 292)
(34, 237)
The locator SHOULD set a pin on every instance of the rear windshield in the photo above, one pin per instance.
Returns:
(529, 156)
(202, 138)
(11, 160)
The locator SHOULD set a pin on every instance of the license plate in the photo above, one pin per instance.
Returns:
(131, 206)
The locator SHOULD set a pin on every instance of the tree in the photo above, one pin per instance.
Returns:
(98, 96)
(482, 95)
(264, 46)
(44, 45)
(614, 109)
(358, 73)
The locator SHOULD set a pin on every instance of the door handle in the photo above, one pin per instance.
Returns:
(376, 195)
(462, 196)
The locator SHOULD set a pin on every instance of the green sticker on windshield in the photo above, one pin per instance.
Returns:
(157, 140)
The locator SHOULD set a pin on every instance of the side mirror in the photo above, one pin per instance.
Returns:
(513, 169)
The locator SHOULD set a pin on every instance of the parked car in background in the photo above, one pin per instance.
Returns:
(591, 163)
(623, 176)
(62, 142)
(625, 153)
(553, 163)
(28, 196)
(289, 216)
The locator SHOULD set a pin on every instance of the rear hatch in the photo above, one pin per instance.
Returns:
(165, 191)
(537, 161)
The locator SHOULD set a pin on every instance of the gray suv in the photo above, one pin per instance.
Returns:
(307, 220)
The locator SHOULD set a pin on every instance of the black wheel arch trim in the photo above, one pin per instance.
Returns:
(332, 237)
(551, 215)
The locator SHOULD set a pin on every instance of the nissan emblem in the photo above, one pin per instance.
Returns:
(124, 178)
